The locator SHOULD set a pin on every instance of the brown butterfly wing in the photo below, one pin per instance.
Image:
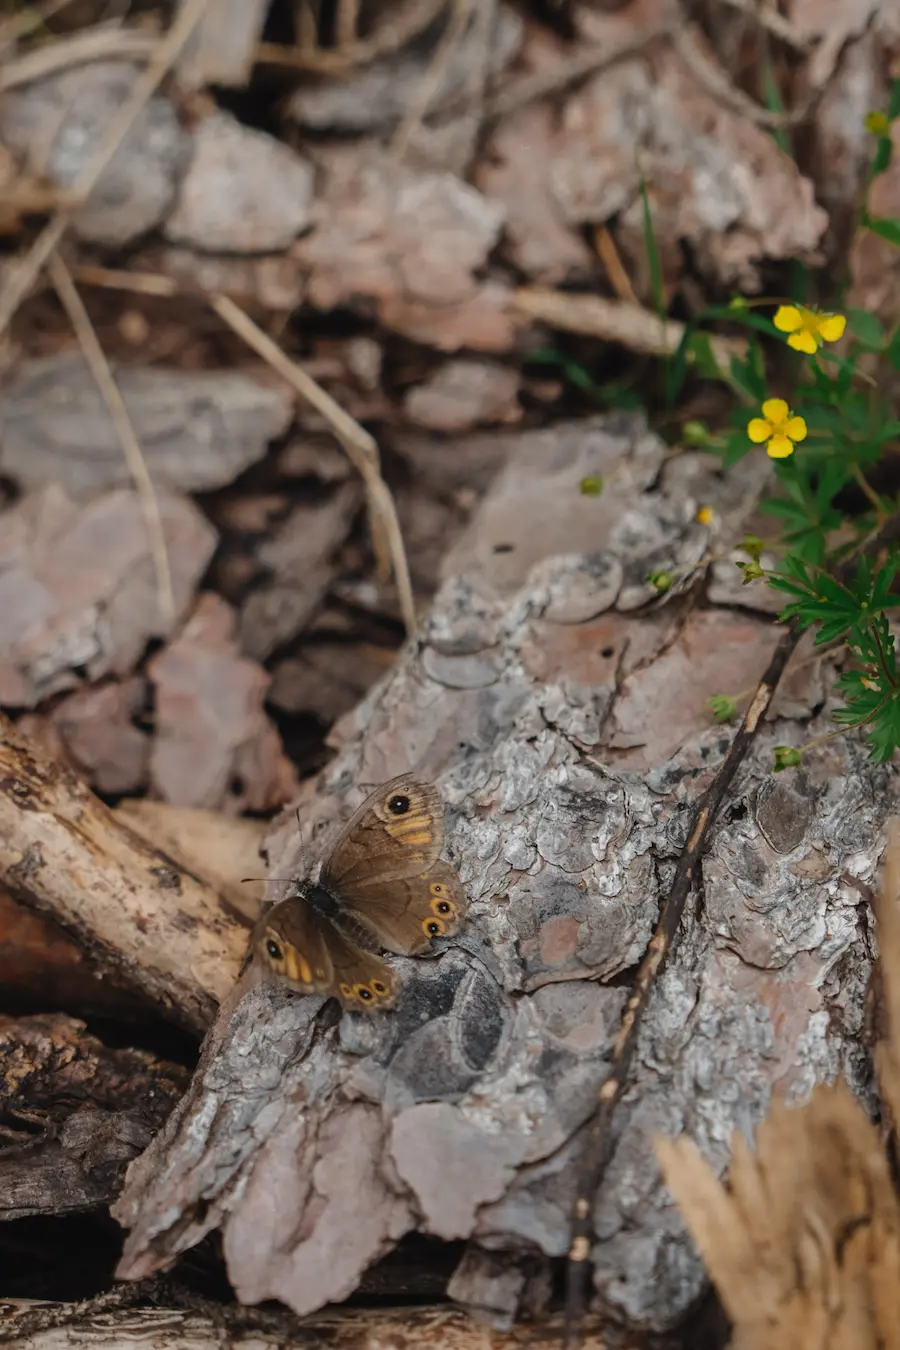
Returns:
(405, 913)
(397, 832)
(307, 951)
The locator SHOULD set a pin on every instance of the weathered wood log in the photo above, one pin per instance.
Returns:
(570, 737)
(175, 1329)
(73, 1113)
(135, 913)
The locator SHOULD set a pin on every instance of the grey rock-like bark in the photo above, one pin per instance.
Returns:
(568, 765)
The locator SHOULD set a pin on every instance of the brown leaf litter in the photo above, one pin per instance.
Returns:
(803, 1245)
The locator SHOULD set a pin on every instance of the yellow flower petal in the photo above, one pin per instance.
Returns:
(758, 430)
(796, 429)
(788, 319)
(775, 409)
(780, 447)
(803, 342)
(831, 327)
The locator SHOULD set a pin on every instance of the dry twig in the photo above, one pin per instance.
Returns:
(132, 911)
(630, 325)
(433, 78)
(360, 446)
(109, 390)
(390, 37)
(24, 273)
(77, 49)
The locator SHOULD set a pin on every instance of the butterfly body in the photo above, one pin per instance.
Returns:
(382, 887)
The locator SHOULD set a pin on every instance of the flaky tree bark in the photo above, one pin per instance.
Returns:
(73, 1113)
(562, 712)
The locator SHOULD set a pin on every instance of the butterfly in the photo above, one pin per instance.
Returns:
(383, 886)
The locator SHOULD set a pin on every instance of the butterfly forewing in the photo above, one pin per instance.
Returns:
(397, 832)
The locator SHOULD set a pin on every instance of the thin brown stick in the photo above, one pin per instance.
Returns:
(433, 78)
(713, 79)
(361, 448)
(347, 25)
(387, 39)
(76, 49)
(23, 274)
(20, 25)
(768, 17)
(631, 325)
(598, 1144)
(131, 449)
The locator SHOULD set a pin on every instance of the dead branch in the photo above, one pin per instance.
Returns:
(173, 1328)
(133, 911)
(74, 1113)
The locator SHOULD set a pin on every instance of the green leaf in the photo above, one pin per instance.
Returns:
(866, 328)
(654, 261)
(886, 227)
(722, 707)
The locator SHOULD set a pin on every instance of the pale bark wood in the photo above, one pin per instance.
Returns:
(570, 738)
(357, 1329)
(73, 1113)
(135, 913)
(222, 48)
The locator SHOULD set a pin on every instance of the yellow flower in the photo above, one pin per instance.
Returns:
(808, 330)
(705, 515)
(778, 426)
(877, 124)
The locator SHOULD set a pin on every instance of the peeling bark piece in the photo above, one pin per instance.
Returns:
(409, 244)
(96, 725)
(381, 91)
(298, 557)
(141, 919)
(214, 746)
(78, 590)
(60, 122)
(666, 703)
(536, 510)
(197, 431)
(473, 1167)
(464, 394)
(244, 192)
(99, 1108)
(565, 853)
(268, 283)
(712, 177)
